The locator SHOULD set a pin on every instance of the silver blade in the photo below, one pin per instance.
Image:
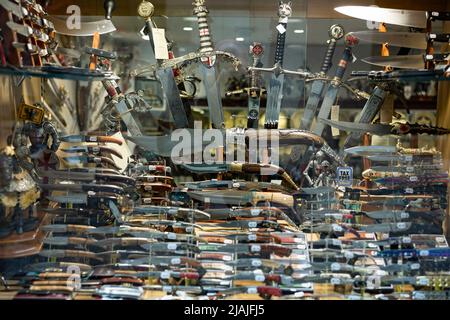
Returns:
(378, 129)
(408, 18)
(86, 28)
(399, 39)
(274, 99)
(397, 215)
(402, 62)
(373, 151)
(72, 198)
(127, 118)
(172, 94)
(221, 197)
(213, 96)
(23, 30)
(76, 159)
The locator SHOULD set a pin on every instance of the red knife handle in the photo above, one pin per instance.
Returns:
(270, 291)
(273, 277)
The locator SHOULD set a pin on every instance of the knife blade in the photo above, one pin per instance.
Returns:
(85, 29)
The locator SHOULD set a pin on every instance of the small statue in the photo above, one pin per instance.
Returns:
(19, 192)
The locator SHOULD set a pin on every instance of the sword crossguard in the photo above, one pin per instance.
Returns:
(248, 91)
(277, 70)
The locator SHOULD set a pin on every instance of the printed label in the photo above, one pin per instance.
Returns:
(344, 176)
(159, 39)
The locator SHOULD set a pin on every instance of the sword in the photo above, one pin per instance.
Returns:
(73, 175)
(93, 139)
(408, 18)
(165, 76)
(386, 129)
(96, 150)
(335, 32)
(208, 66)
(81, 198)
(437, 74)
(172, 211)
(415, 40)
(83, 188)
(275, 90)
(407, 62)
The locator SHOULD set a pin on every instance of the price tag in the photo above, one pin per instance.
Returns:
(189, 229)
(260, 278)
(252, 224)
(224, 283)
(415, 266)
(404, 215)
(226, 258)
(167, 288)
(408, 158)
(171, 236)
(401, 225)
(301, 246)
(175, 261)
(228, 241)
(165, 275)
(252, 290)
(252, 237)
(410, 169)
(160, 42)
(335, 281)
(256, 263)
(172, 246)
(336, 242)
(423, 282)
(255, 212)
(440, 239)
(299, 294)
(92, 139)
(255, 248)
(419, 296)
(409, 190)
(413, 179)
(349, 255)
(406, 240)
(281, 29)
(337, 228)
(335, 266)
(236, 185)
(424, 253)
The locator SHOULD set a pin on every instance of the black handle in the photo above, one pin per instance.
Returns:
(442, 37)
(281, 40)
(328, 59)
(441, 16)
(109, 6)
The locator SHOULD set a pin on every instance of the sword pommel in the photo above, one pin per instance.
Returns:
(146, 9)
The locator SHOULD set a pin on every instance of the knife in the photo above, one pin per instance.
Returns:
(406, 62)
(407, 18)
(85, 29)
(96, 150)
(94, 139)
(76, 160)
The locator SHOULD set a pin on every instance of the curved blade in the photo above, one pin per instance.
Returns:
(408, 18)
(403, 62)
(398, 39)
(86, 28)
(372, 151)
(378, 129)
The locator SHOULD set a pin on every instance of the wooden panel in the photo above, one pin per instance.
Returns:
(7, 103)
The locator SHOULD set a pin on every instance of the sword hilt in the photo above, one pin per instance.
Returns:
(336, 32)
(109, 6)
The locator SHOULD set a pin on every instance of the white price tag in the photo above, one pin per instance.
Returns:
(401, 225)
(409, 190)
(423, 282)
(440, 239)
(299, 294)
(281, 29)
(413, 179)
(167, 288)
(171, 236)
(252, 290)
(175, 261)
(255, 212)
(406, 240)
(335, 267)
(189, 229)
(165, 275)
(255, 248)
(335, 281)
(252, 237)
(336, 242)
(172, 246)
(252, 224)
(424, 253)
(236, 185)
(415, 266)
(404, 215)
(337, 228)
(226, 258)
(256, 263)
(301, 246)
(92, 139)
(410, 169)
(349, 255)
(409, 158)
(260, 278)
(160, 42)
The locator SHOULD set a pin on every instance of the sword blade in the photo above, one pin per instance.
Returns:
(403, 62)
(378, 129)
(172, 94)
(213, 96)
(274, 99)
(399, 39)
(408, 18)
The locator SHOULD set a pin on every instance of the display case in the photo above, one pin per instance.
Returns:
(284, 150)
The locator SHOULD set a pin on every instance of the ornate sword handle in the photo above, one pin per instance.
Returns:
(336, 32)
(256, 51)
(206, 44)
(284, 12)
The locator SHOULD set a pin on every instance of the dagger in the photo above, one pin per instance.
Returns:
(83, 188)
(407, 62)
(96, 150)
(252, 168)
(94, 139)
(89, 175)
(239, 198)
(77, 160)
(386, 129)
(172, 211)
(407, 18)
(65, 228)
(415, 40)
(65, 241)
